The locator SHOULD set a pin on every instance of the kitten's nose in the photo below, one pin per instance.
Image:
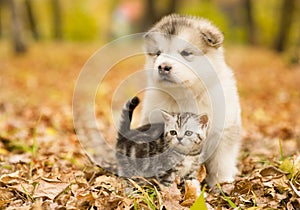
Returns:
(179, 138)
(164, 68)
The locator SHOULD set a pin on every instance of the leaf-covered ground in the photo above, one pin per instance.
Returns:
(44, 167)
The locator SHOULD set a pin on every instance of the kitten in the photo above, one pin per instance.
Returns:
(161, 150)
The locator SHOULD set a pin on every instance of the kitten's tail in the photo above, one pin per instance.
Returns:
(127, 114)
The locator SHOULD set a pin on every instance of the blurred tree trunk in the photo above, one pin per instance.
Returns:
(1, 6)
(18, 42)
(57, 20)
(251, 31)
(31, 19)
(235, 16)
(152, 15)
(173, 7)
(286, 17)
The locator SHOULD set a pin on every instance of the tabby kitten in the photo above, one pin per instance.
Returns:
(161, 150)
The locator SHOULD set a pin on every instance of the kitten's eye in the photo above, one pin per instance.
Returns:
(158, 53)
(173, 132)
(185, 53)
(188, 133)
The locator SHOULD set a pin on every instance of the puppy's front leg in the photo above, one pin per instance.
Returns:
(221, 166)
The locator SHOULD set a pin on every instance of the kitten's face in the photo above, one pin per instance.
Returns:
(185, 132)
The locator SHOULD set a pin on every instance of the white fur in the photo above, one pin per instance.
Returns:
(189, 93)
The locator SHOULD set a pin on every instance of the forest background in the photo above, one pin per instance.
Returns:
(44, 46)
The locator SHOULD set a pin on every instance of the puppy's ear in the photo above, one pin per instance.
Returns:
(147, 35)
(212, 37)
(150, 35)
(203, 120)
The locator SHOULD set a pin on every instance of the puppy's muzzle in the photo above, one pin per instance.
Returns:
(164, 69)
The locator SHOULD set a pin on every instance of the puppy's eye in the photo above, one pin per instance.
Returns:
(157, 53)
(188, 133)
(185, 53)
(173, 133)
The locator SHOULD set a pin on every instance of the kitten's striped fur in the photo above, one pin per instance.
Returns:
(161, 150)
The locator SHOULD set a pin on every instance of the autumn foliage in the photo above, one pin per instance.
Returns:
(44, 167)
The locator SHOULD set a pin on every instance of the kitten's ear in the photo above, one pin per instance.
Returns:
(166, 115)
(203, 120)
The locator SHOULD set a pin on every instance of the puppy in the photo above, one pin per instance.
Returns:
(185, 67)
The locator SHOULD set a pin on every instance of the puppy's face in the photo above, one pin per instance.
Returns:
(176, 45)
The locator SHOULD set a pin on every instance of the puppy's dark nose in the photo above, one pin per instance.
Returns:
(164, 68)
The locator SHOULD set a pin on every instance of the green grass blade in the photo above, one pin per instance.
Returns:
(280, 150)
(200, 202)
(226, 197)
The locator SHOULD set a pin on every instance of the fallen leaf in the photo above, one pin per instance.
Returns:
(24, 187)
(190, 194)
(281, 184)
(125, 204)
(241, 187)
(201, 175)
(6, 196)
(12, 178)
(49, 188)
(171, 197)
(20, 158)
(272, 172)
(296, 203)
(14, 181)
(84, 197)
(107, 182)
(297, 192)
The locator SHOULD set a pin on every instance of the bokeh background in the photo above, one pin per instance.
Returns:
(272, 24)
(44, 44)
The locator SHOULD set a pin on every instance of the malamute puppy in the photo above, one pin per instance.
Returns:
(185, 65)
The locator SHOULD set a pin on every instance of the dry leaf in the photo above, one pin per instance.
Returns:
(270, 111)
(24, 187)
(201, 175)
(12, 178)
(125, 204)
(6, 196)
(171, 197)
(14, 181)
(272, 172)
(190, 194)
(107, 182)
(20, 158)
(85, 197)
(297, 192)
(241, 187)
(49, 188)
